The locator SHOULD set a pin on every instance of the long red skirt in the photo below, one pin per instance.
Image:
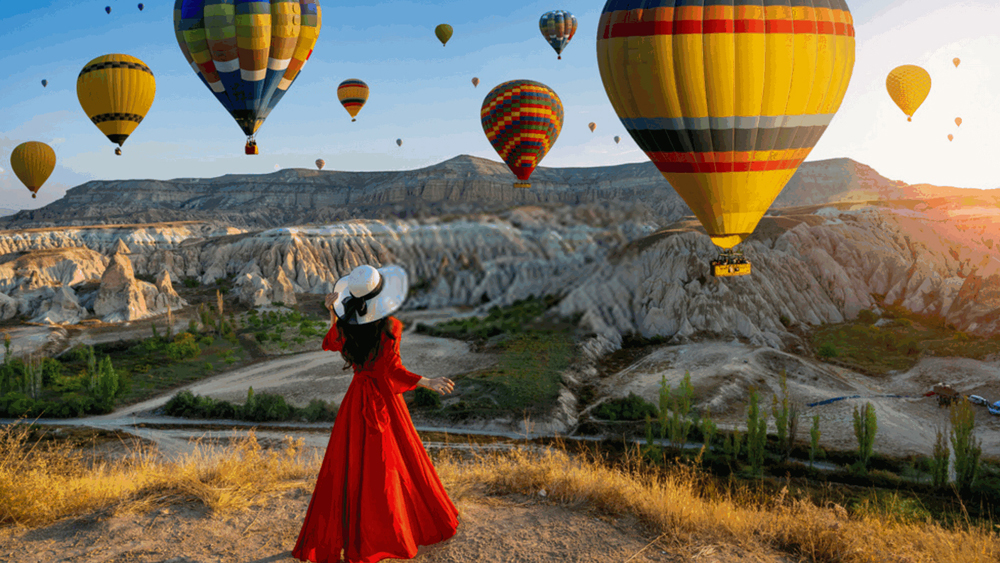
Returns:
(377, 495)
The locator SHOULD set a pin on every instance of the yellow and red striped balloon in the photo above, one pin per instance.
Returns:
(352, 93)
(726, 97)
(522, 119)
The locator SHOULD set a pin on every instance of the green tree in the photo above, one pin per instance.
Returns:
(708, 429)
(677, 424)
(785, 418)
(865, 428)
(814, 435)
(965, 445)
(756, 433)
(939, 465)
(108, 383)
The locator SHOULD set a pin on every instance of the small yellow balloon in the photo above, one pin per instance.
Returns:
(950, 137)
(32, 163)
(908, 86)
(956, 60)
(958, 121)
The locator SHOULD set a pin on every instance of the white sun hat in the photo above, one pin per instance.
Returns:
(367, 294)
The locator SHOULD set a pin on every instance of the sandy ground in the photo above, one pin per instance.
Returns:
(513, 528)
(723, 373)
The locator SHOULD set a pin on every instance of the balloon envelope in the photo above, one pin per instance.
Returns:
(522, 120)
(45, 83)
(116, 91)
(908, 86)
(558, 27)
(107, 9)
(320, 163)
(443, 33)
(352, 93)
(247, 54)
(592, 126)
(617, 139)
(475, 81)
(140, 7)
(956, 60)
(728, 130)
(399, 142)
(32, 163)
(958, 121)
(950, 137)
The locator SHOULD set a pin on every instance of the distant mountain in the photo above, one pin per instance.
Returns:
(460, 185)
(5, 211)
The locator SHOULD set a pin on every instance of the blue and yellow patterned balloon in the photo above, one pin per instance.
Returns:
(522, 120)
(558, 27)
(247, 52)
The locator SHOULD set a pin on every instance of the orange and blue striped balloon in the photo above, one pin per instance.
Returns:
(726, 97)
(522, 120)
(352, 93)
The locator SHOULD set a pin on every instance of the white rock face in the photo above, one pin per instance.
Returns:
(121, 297)
(8, 307)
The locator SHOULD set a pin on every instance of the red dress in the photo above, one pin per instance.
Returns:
(377, 494)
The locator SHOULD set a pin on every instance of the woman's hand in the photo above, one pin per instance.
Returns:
(331, 298)
(442, 385)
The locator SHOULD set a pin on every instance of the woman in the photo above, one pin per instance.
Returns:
(377, 494)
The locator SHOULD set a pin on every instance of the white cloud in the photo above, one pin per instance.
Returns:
(58, 140)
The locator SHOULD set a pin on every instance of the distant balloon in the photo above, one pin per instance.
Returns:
(140, 7)
(320, 163)
(399, 142)
(116, 91)
(45, 83)
(950, 137)
(592, 126)
(956, 60)
(352, 93)
(617, 139)
(908, 86)
(958, 121)
(557, 28)
(32, 163)
(522, 120)
(475, 81)
(107, 9)
(443, 33)
(277, 167)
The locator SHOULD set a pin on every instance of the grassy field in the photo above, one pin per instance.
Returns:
(56, 481)
(898, 344)
(533, 349)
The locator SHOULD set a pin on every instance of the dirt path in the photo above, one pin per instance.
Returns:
(491, 530)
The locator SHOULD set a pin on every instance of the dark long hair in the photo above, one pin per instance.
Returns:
(363, 343)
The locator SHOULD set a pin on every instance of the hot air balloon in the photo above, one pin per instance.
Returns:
(399, 142)
(320, 163)
(107, 9)
(728, 130)
(592, 126)
(958, 121)
(475, 81)
(557, 28)
(276, 167)
(115, 92)
(908, 86)
(247, 53)
(950, 137)
(522, 120)
(443, 33)
(32, 163)
(956, 60)
(45, 83)
(141, 7)
(353, 93)
(617, 139)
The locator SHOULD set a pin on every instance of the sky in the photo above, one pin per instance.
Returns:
(422, 92)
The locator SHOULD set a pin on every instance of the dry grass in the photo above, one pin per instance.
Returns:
(39, 486)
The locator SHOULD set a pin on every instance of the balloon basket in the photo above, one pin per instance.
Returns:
(730, 263)
(522, 184)
(251, 149)
(118, 151)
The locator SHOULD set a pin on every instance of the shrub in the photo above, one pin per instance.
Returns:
(827, 350)
(427, 398)
(632, 407)
(867, 316)
(183, 347)
(266, 407)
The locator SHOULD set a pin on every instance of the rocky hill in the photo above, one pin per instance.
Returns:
(464, 184)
